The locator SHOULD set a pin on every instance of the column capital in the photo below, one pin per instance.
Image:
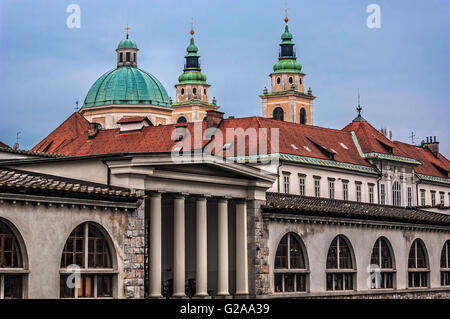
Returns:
(180, 195)
(156, 193)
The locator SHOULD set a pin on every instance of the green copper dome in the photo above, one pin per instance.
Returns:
(192, 73)
(287, 61)
(193, 77)
(287, 66)
(127, 44)
(127, 85)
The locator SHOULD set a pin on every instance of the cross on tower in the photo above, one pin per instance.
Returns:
(127, 28)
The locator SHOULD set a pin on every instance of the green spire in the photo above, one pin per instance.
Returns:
(192, 72)
(287, 61)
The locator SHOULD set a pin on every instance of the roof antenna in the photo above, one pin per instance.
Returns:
(413, 138)
(16, 146)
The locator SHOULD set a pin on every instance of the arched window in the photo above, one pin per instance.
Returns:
(194, 91)
(182, 91)
(278, 113)
(382, 265)
(417, 265)
(121, 56)
(303, 118)
(278, 80)
(11, 283)
(87, 250)
(445, 264)
(182, 120)
(396, 197)
(127, 56)
(290, 80)
(290, 265)
(340, 269)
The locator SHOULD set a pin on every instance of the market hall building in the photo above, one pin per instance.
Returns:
(345, 213)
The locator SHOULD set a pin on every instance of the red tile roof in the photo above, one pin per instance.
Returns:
(3, 145)
(71, 138)
(372, 140)
(296, 139)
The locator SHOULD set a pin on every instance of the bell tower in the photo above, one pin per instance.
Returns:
(192, 90)
(287, 100)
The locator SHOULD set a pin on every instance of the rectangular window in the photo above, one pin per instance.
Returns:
(128, 56)
(383, 280)
(418, 279)
(371, 195)
(301, 182)
(382, 194)
(345, 190)
(409, 196)
(358, 192)
(331, 189)
(286, 183)
(11, 286)
(340, 281)
(422, 197)
(433, 198)
(445, 278)
(286, 282)
(442, 196)
(317, 187)
(121, 57)
(90, 286)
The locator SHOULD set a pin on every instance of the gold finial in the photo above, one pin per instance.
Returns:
(192, 28)
(127, 28)
(285, 16)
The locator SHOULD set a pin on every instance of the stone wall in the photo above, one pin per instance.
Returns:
(258, 250)
(423, 294)
(134, 246)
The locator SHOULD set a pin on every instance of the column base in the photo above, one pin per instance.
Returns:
(179, 297)
(202, 296)
(241, 296)
(223, 296)
(156, 296)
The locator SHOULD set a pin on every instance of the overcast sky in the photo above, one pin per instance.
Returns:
(402, 69)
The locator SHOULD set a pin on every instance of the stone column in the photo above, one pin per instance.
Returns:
(222, 249)
(202, 252)
(241, 249)
(179, 248)
(155, 246)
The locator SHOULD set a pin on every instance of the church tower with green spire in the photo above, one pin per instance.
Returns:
(192, 90)
(287, 100)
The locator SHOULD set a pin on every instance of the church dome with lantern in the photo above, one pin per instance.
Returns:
(127, 84)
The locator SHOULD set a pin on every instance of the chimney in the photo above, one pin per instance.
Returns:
(93, 130)
(432, 145)
(213, 118)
